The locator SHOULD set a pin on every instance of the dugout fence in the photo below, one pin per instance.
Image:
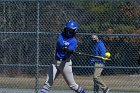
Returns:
(28, 33)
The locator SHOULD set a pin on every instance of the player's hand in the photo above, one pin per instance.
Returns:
(65, 48)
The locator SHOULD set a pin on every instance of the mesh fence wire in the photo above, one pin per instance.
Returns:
(28, 33)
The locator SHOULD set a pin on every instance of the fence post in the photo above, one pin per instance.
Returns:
(37, 55)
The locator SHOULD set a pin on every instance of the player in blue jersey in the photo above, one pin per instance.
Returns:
(98, 49)
(66, 44)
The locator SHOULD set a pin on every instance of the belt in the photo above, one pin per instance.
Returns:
(60, 59)
(67, 60)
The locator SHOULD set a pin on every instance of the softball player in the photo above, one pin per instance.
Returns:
(66, 44)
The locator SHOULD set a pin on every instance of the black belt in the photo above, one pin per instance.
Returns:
(60, 59)
(67, 60)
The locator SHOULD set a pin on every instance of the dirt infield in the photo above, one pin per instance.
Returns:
(116, 83)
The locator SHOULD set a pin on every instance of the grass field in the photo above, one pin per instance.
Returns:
(129, 83)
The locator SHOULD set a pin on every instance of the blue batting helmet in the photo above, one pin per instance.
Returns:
(70, 29)
(71, 24)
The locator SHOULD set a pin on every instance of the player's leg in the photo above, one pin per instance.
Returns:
(51, 75)
(96, 77)
(68, 76)
(95, 87)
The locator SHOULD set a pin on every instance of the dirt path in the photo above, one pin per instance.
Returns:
(119, 82)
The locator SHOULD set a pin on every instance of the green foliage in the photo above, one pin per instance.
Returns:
(91, 27)
(98, 7)
(124, 28)
(108, 14)
(92, 15)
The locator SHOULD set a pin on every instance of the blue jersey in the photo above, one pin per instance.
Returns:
(99, 49)
(71, 43)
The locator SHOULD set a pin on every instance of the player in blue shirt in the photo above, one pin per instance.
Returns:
(66, 44)
(98, 49)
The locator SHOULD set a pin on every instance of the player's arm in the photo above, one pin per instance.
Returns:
(102, 50)
(60, 40)
(71, 48)
(66, 49)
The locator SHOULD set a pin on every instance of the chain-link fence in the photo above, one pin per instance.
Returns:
(28, 33)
